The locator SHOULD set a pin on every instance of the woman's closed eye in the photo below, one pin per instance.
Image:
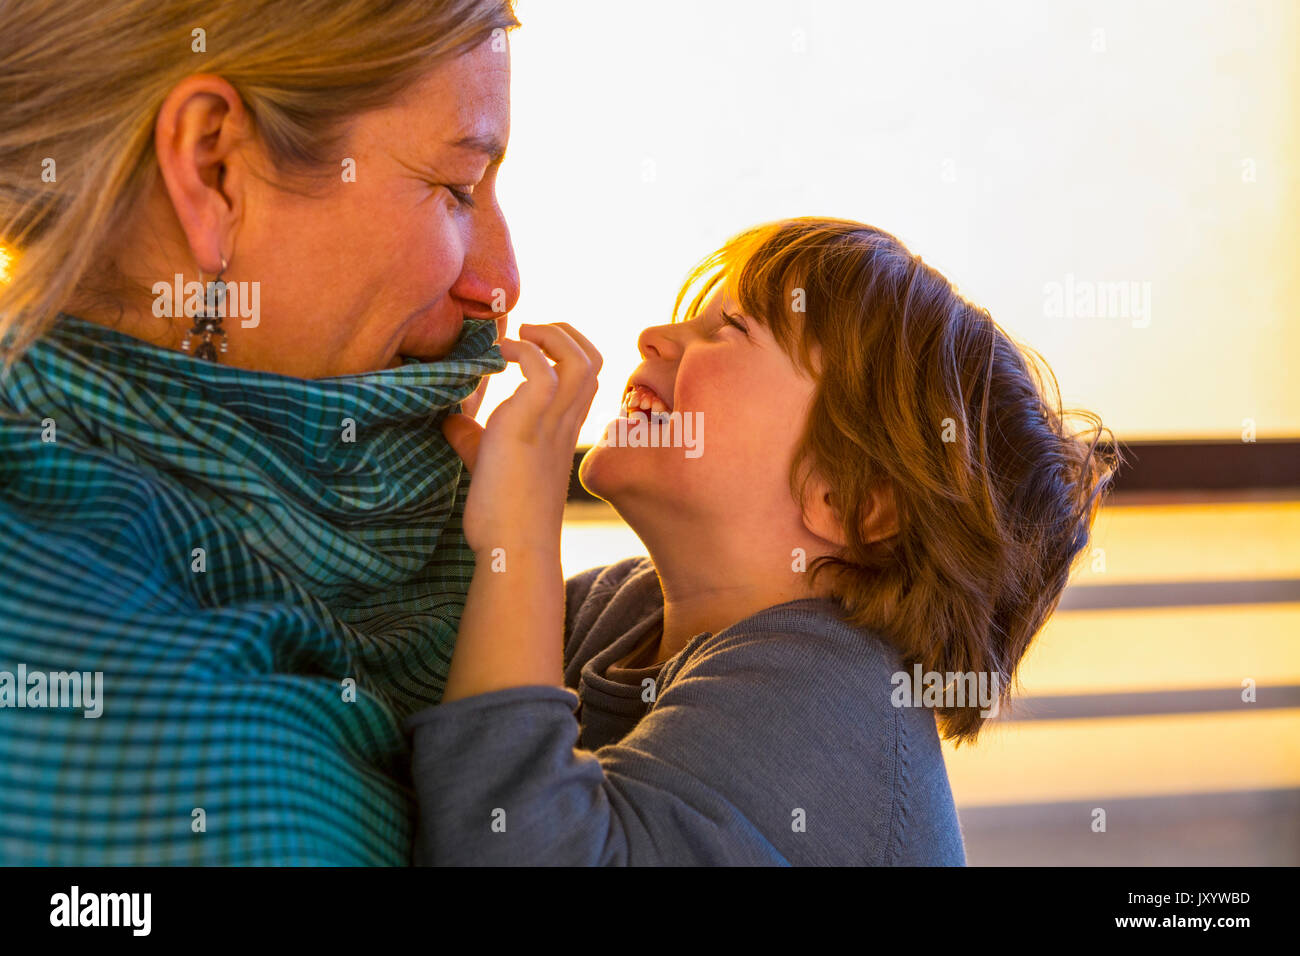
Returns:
(464, 195)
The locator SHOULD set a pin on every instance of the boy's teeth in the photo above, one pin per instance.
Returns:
(641, 399)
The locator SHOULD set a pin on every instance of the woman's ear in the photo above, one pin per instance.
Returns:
(822, 518)
(197, 138)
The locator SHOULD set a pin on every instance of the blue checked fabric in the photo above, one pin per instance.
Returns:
(229, 734)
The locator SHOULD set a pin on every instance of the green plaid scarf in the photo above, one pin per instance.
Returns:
(268, 572)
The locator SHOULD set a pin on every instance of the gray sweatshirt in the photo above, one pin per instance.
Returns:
(771, 742)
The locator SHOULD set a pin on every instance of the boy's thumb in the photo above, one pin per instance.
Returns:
(464, 435)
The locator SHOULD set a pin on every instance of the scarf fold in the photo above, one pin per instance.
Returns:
(268, 572)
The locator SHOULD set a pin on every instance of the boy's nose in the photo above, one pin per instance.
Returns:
(659, 341)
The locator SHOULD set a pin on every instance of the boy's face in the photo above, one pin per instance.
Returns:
(737, 397)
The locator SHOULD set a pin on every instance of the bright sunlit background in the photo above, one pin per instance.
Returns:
(1014, 145)
(1011, 144)
(1046, 157)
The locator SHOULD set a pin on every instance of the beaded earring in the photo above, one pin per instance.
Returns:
(208, 322)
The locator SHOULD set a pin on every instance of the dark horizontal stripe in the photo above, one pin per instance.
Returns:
(1241, 804)
(1209, 465)
(1098, 597)
(576, 491)
(1149, 703)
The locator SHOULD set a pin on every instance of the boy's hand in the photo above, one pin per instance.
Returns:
(522, 459)
(470, 405)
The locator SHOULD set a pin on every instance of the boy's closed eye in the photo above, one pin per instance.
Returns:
(735, 321)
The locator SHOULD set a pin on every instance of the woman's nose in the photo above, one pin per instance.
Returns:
(488, 285)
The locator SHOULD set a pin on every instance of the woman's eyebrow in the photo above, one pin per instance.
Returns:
(489, 144)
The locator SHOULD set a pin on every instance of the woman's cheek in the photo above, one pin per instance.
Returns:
(441, 260)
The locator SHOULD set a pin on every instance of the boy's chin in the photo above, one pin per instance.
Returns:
(616, 474)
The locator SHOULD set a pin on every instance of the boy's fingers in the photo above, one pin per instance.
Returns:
(576, 371)
(593, 354)
(464, 435)
(538, 372)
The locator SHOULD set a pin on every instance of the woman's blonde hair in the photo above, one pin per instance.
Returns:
(81, 82)
(923, 399)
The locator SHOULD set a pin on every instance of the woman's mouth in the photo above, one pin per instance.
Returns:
(430, 335)
(643, 399)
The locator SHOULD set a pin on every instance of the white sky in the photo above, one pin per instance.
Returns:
(990, 137)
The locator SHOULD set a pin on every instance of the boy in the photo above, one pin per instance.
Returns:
(882, 484)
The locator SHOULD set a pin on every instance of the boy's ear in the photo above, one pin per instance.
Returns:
(822, 518)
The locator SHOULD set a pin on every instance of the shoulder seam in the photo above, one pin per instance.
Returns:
(898, 815)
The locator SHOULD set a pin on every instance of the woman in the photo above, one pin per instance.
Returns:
(240, 533)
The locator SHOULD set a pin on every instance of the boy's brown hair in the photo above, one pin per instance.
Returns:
(922, 397)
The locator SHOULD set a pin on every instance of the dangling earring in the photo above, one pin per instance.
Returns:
(208, 322)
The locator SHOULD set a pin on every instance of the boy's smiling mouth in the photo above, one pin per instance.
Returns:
(648, 421)
(640, 397)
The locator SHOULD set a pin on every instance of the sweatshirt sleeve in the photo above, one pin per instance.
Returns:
(746, 751)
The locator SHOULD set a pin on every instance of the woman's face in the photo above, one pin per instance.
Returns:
(385, 259)
(392, 263)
